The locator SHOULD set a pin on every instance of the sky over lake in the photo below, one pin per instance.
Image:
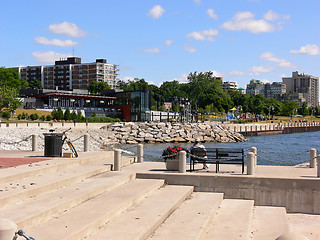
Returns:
(164, 40)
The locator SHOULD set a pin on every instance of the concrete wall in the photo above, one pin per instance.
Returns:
(52, 125)
(297, 195)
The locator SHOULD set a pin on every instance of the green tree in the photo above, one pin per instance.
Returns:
(35, 84)
(67, 114)
(59, 113)
(97, 88)
(205, 89)
(288, 107)
(74, 115)
(10, 77)
(54, 114)
(304, 110)
(8, 98)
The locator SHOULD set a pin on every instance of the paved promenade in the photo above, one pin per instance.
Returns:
(297, 179)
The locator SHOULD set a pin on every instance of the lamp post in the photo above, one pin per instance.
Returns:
(271, 108)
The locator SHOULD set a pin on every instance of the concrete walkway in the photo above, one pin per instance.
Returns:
(302, 178)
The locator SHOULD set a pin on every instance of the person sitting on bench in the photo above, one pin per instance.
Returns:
(200, 151)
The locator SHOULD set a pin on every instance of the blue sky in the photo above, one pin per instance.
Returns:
(163, 40)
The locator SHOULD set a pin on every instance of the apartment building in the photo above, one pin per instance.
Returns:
(305, 84)
(70, 73)
(229, 85)
(267, 90)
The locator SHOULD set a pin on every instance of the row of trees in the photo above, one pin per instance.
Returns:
(205, 94)
(202, 91)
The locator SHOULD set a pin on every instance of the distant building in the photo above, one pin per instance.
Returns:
(241, 90)
(229, 85)
(267, 90)
(255, 87)
(305, 84)
(71, 74)
(274, 90)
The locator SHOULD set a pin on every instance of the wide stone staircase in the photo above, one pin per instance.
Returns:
(84, 199)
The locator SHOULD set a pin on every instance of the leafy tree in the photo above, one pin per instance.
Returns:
(10, 77)
(74, 115)
(6, 114)
(96, 87)
(134, 85)
(8, 98)
(304, 110)
(94, 114)
(35, 84)
(54, 114)
(59, 113)
(42, 117)
(205, 89)
(67, 114)
(288, 107)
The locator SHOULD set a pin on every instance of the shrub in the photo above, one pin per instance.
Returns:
(34, 116)
(49, 118)
(6, 114)
(43, 118)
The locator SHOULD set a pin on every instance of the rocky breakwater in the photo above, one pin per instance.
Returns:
(133, 133)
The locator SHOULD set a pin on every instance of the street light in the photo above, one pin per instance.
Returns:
(270, 108)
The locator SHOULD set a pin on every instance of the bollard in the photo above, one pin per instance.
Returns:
(140, 153)
(7, 229)
(35, 142)
(254, 151)
(117, 160)
(182, 161)
(86, 142)
(250, 163)
(318, 166)
(313, 156)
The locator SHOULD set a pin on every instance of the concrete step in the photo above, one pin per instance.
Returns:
(232, 221)
(269, 222)
(140, 221)
(19, 190)
(53, 165)
(44, 205)
(192, 219)
(90, 215)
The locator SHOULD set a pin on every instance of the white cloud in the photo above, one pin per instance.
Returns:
(310, 49)
(183, 78)
(49, 56)
(127, 78)
(190, 48)
(212, 14)
(66, 28)
(55, 42)
(205, 35)
(257, 70)
(244, 21)
(268, 56)
(169, 42)
(236, 73)
(197, 1)
(271, 15)
(265, 81)
(156, 12)
(152, 50)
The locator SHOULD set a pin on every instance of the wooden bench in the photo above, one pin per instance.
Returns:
(217, 156)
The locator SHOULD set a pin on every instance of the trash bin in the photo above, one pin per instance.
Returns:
(53, 144)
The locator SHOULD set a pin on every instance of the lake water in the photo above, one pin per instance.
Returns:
(272, 149)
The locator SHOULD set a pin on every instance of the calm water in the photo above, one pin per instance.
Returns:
(277, 146)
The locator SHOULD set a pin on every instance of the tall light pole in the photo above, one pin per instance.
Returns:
(270, 108)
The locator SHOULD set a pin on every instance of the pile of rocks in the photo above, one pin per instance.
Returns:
(133, 133)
